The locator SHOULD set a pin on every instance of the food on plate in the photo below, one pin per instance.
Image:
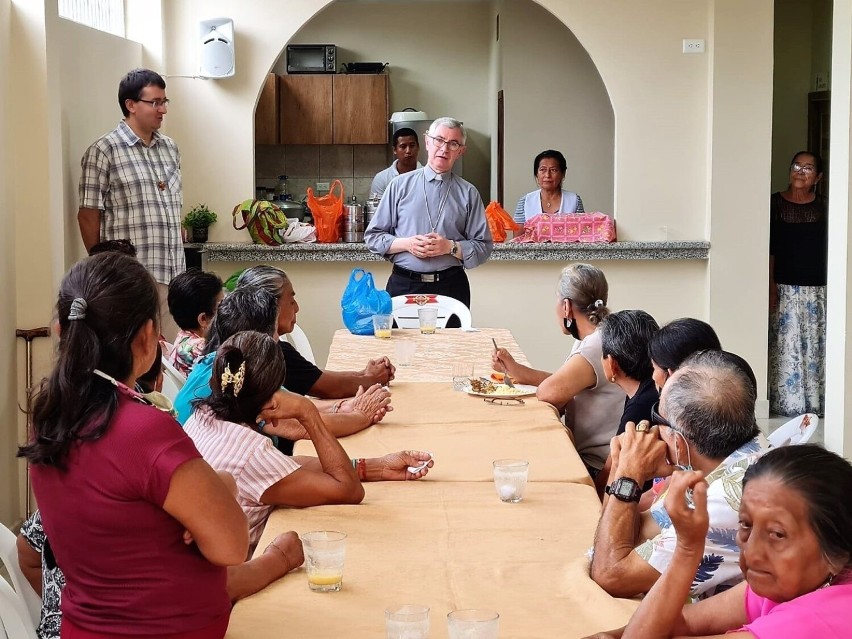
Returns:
(486, 387)
(481, 385)
(498, 377)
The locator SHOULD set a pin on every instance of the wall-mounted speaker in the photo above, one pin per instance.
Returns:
(216, 48)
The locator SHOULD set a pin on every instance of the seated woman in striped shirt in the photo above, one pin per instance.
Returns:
(247, 375)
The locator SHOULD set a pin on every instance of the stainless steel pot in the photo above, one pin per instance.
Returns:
(291, 209)
(353, 221)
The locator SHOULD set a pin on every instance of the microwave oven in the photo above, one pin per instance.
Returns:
(311, 58)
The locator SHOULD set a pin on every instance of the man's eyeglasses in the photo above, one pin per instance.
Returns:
(807, 169)
(157, 104)
(452, 145)
(504, 401)
(658, 419)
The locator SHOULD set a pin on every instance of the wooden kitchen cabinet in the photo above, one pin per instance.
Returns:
(332, 109)
(266, 113)
(305, 103)
(360, 112)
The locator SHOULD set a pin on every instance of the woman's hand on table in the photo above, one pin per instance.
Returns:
(373, 403)
(288, 547)
(381, 370)
(394, 466)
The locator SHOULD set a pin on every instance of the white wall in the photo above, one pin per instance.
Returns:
(8, 362)
(554, 99)
(88, 109)
(792, 82)
(443, 73)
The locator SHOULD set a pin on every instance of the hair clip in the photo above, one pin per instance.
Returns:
(236, 379)
(599, 303)
(78, 309)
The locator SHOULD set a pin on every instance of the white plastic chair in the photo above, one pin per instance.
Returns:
(13, 614)
(30, 601)
(300, 342)
(173, 380)
(405, 310)
(796, 431)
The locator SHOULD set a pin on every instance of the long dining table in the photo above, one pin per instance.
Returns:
(447, 541)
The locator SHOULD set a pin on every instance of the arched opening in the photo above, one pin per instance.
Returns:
(553, 95)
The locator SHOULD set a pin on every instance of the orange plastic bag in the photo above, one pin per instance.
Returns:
(499, 221)
(327, 211)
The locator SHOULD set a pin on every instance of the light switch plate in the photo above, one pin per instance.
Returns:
(322, 186)
(693, 46)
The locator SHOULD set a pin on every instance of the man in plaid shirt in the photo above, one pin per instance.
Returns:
(131, 184)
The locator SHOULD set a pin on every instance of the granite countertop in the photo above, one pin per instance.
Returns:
(245, 252)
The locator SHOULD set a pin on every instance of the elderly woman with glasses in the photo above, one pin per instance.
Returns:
(798, 255)
(549, 169)
(795, 538)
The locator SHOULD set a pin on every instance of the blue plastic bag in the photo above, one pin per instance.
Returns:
(361, 300)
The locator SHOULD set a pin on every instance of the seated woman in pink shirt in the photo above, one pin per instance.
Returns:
(795, 541)
(247, 375)
(140, 524)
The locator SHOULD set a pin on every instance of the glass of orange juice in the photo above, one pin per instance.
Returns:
(325, 552)
(382, 326)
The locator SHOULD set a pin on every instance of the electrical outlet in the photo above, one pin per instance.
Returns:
(693, 46)
(322, 186)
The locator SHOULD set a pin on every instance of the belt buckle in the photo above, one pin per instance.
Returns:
(428, 277)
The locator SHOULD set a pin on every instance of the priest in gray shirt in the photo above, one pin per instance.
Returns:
(431, 223)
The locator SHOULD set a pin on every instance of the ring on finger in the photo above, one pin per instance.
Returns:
(643, 427)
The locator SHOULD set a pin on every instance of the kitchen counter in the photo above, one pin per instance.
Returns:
(245, 252)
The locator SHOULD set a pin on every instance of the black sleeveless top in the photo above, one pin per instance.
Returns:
(798, 239)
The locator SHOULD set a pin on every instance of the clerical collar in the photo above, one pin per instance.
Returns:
(431, 175)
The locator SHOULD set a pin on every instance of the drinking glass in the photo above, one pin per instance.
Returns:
(428, 317)
(405, 349)
(407, 622)
(325, 551)
(473, 624)
(382, 326)
(510, 479)
(462, 372)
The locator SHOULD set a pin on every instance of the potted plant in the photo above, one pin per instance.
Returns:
(198, 221)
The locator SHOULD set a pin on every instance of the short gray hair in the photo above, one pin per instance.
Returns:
(248, 308)
(450, 123)
(270, 278)
(586, 286)
(710, 400)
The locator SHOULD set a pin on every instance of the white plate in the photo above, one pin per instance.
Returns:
(525, 389)
(795, 431)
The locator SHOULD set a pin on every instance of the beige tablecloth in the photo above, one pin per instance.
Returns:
(447, 546)
(434, 355)
(466, 435)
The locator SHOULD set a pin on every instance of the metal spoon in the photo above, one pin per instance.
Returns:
(506, 379)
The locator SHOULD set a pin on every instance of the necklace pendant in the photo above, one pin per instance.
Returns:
(161, 185)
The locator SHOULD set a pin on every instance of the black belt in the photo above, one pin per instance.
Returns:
(436, 276)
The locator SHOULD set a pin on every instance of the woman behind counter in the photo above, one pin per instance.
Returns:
(798, 253)
(549, 169)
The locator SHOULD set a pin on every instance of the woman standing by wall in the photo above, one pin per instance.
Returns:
(798, 253)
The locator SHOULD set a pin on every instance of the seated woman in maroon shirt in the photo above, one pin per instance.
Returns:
(140, 524)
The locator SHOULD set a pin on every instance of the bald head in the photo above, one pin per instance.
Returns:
(710, 400)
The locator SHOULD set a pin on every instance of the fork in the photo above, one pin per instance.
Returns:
(506, 379)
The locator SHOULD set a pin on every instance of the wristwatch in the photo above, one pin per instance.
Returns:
(455, 250)
(625, 489)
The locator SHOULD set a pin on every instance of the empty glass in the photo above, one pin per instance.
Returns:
(462, 372)
(473, 624)
(325, 552)
(510, 479)
(405, 349)
(407, 622)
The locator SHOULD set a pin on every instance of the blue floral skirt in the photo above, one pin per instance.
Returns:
(797, 351)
